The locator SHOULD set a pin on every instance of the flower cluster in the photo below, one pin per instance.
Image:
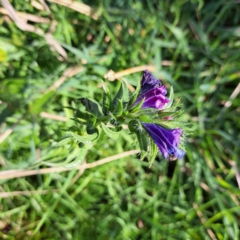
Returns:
(150, 113)
(154, 95)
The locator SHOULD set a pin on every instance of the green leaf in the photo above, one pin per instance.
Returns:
(38, 104)
(122, 95)
(6, 112)
(153, 150)
(112, 134)
(134, 96)
(89, 118)
(92, 106)
(125, 97)
(91, 130)
(87, 140)
(145, 118)
(106, 102)
(84, 139)
(116, 122)
(135, 126)
(171, 115)
(82, 152)
(118, 109)
(105, 87)
(143, 154)
(137, 107)
(171, 97)
(143, 141)
(117, 97)
(75, 128)
(66, 140)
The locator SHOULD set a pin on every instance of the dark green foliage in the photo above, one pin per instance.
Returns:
(194, 46)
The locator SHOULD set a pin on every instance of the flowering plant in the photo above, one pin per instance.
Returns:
(149, 113)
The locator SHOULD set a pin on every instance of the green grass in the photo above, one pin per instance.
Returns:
(194, 198)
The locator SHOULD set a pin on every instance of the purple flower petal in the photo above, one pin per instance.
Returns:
(153, 91)
(157, 102)
(167, 140)
(148, 82)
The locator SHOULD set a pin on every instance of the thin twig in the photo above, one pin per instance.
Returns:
(112, 158)
(9, 174)
(53, 116)
(37, 5)
(2, 162)
(202, 219)
(26, 193)
(229, 102)
(9, 130)
(80, 172)
(69, 72)
(233, 96)
(27, 16)
(77, 6)
(6, 134)
(45, 5)
(237, 174)
(204, 186)
(111, 75)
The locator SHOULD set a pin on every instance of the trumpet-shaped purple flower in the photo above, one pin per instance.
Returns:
(153, 91)
(167, 140)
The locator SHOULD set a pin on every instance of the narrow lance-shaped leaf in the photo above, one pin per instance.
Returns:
(136, 127)
(153, 150)
(137, 107)
(115, 122)
(171, 96)
(112, 134)
(38, 104)
(106, 102)
(143, 144)
(66, 140)
(87, 117)
(84, 139)
(118, 109)
(134, 96)
(82, 152)
(145, 118)
(92, 107)
(125, 97)
(122, 95)
(118, 97)
(87, 140)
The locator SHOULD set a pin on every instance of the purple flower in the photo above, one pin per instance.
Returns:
(167, 140)
(153, 91)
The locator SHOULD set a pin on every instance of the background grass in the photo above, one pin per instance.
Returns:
(192, 45)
